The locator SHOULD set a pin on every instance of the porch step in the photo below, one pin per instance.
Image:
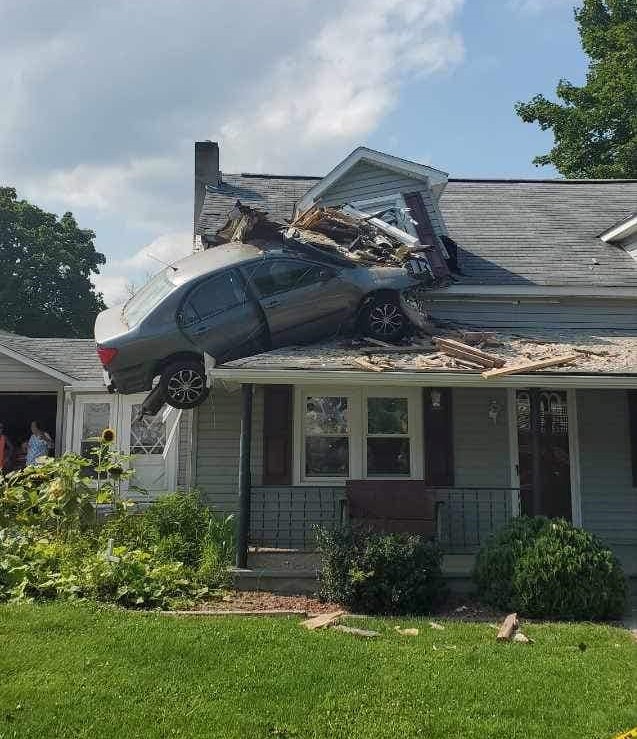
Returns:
(284, 582)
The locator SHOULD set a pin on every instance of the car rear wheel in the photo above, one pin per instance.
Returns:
(383, 318)
(183, 384)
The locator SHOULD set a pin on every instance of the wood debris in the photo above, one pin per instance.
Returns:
(322, 620)
(508, 627)
(466, 353)
(522, 638)
(437, 626)
(530, 366)
(407, 632)
(365, 633)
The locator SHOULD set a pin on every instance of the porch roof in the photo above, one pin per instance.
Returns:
(612, 355)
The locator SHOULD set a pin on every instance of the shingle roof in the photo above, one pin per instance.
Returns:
(274, 193)
(526, 232)
(73, 357)
(539, 232)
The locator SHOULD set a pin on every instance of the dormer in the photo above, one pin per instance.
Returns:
(623, 234)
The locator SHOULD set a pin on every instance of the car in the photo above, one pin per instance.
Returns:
(237, 300)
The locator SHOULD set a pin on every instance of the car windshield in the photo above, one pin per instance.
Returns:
(147, 298)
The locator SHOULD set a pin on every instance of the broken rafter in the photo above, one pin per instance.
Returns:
(468, 353)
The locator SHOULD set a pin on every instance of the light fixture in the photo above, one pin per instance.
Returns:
(436, 399)
(494, 411)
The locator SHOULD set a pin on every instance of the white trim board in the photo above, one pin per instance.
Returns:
(574, 458)
(343, 378)
(436, 178)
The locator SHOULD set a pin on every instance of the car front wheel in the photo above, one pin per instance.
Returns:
(383, 318)
(183, 384)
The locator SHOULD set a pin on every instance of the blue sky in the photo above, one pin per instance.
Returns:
(102, 101)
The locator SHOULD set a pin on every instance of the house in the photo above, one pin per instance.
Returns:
(549, 263)
(59, 382)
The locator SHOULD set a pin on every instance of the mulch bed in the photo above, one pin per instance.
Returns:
(456, 607)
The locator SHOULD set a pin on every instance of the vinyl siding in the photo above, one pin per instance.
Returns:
(16, 377)
(609, 500)
(550, 314)
(217, 433)
(366, 181)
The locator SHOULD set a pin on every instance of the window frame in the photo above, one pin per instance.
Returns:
(249, 275)
(357, 399)
(395, 200)
(187, 304)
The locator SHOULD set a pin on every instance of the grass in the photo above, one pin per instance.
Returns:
(81, 671)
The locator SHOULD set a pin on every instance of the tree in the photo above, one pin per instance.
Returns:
(595, 127)
(45, 267)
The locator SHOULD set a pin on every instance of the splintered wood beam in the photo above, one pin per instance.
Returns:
(509, 625)
(530, 366)
(469, 352)
(366, 364)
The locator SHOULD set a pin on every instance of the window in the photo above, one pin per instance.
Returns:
(147, 434)
(214, 296)
(147, 298)
(281, 275)
(387, 444)
(95, 418)
(326, 427)
(358, 433)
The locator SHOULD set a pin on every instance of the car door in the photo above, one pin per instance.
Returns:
(220, 317)
(302, 300)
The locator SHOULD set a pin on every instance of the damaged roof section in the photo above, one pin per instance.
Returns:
(344, 234)
(503, 352)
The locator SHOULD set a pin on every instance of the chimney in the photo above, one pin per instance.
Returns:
(206, 173)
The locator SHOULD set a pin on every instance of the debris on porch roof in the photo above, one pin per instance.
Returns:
(576, 352)
(344, 233)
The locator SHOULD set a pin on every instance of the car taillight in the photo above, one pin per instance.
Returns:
(106, 354)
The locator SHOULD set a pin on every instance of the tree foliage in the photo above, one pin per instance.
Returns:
(47, 262)
(595, 125)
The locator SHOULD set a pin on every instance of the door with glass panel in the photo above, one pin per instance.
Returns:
(93, 414)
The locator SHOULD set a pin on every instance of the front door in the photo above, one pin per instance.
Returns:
(544, 462)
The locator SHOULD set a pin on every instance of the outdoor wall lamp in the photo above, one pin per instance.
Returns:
(494, 411)
(436, 399)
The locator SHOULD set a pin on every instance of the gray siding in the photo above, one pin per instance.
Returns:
(532, 314)
(366, 181)
(481, 448)
(16, 377)
(217, 433)
(609, 500)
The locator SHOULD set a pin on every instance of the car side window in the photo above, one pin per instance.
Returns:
(214, 296)
(280, 275)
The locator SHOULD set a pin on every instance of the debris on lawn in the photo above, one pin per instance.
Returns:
(437, 626)
(407, 632)
(322, 620)
(508, 627)
(520, 637)
(365, 633)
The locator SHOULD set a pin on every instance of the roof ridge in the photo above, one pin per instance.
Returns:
(266, 175)
(550, 181)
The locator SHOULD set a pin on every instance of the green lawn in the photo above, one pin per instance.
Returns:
(79, 671)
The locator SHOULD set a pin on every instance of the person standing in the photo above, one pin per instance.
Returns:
(6, 451)
(39, 444)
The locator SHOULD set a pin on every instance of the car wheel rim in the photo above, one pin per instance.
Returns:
(385, 319)
(185, 386)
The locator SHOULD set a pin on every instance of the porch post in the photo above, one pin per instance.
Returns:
(536, 451)
(245, 443)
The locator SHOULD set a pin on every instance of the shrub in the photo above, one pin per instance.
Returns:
(380, 573)
(497, 559)
(551, 569)
(182, 525)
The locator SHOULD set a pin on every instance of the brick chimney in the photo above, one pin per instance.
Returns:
(206, 173)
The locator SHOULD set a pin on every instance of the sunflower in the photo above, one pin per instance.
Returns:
(108, 436)
(116, 471)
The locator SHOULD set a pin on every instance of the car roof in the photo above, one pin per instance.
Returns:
(210, 260)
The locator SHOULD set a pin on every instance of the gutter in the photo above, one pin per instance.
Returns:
(555, 380)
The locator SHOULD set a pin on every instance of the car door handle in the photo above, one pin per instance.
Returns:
(271, 303)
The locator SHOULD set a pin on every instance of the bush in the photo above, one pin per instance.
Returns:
(550, 569)
(181, 523)
(380, 573)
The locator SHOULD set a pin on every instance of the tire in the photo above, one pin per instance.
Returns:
(384, 319)
(183, 384)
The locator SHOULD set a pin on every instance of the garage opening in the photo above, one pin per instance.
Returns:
(17, 410)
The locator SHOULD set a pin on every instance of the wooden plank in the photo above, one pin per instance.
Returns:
(321, 621)
(509, 625)
(366, 364)
(530, 366)
(443, 343)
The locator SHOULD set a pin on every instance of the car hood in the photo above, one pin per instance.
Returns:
(109, 324)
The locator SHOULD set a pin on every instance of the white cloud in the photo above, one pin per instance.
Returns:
(121, 277)
(331, 94)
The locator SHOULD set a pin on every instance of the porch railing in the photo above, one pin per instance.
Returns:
(286, 517)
